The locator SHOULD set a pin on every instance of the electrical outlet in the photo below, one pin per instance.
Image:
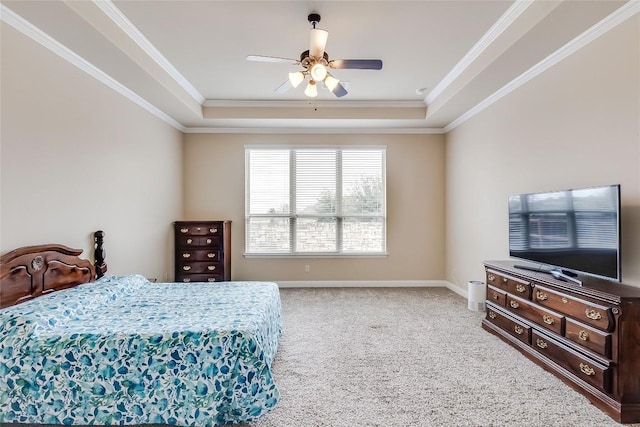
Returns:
(307, 268)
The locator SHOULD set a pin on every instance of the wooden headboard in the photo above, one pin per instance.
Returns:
(31, 271)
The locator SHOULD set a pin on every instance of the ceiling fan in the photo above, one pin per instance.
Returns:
(316, 63)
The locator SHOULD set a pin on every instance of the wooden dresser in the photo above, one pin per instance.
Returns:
(203, 251)
(588, 336)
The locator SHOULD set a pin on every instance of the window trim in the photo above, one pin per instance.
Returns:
(339, 218)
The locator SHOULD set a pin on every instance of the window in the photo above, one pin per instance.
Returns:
(315, 201)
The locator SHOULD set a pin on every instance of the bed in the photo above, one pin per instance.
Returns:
(76, 348)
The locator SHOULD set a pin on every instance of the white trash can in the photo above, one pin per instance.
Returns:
(476, 295)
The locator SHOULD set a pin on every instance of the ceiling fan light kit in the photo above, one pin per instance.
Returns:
(316, 63)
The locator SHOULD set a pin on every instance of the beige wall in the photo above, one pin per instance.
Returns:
(77, 157)
(214, 189)
(576, 125)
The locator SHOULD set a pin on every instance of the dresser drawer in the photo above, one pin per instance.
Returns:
(199, 230)
(586, 336)
(188, 254)
(585, 368)
(189, 241)
(509, 284)
(515, 328)
(187, 278)
(497, 296)
(598, 316)
(542, 316)
(199, 267)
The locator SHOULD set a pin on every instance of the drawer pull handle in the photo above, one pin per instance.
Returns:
(186, 267)
(592, 314)
(213, 230)
(495, 295)
(189, 241)
(208, 241)
(521, 288)
(211, 279)
(541, 296)
(211, 267)
(491, 277)
(564, 300)
(184, 230)
(548, 320)
(186, 255)
(211, 255)
(541, 343)
(514, 304)
(186, 280)
(587, 370)
(504, 280)
(583, 335)
(518, 329)
(492, 314)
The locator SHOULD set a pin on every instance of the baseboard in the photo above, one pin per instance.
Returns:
(374, 284)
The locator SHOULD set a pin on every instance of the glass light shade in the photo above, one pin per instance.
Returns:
(318, 72)
(311, 91)
(331, 82)
(296, 78)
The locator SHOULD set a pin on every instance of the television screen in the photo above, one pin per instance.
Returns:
(576, 231)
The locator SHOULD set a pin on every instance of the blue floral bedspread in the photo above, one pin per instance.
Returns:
(122, 350)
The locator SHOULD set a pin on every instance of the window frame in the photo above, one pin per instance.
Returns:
(293, 216)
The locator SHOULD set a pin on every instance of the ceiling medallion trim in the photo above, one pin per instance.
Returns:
(312, 104)
(283, 130)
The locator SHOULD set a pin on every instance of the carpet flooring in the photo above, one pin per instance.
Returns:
(408, 357)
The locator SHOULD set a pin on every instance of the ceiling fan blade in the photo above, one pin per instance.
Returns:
(284, 87)
(318, 42)
(261, 58)
(339, 90)
(356, 64)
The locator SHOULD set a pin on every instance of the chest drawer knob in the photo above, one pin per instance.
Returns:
(548, 320)
(564, 300)
(541, 296)
(211, 279)
(518, 329)
(211, 267)
(189, 241)
(592, 314)
(208, 241)
(504, 280)
(184, 230)
(521, 288)
(514, 304)
(186, 255)
(213, 230)
(492, 314)
(541, 343)
(491, 277)
(583, 335)
(211, 255)
(186, 267)
(495, 295)
(586, 369)
(186, 280)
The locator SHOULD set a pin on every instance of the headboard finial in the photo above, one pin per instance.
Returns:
(99, 253)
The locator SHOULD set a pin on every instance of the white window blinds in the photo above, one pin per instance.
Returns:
(315, 200)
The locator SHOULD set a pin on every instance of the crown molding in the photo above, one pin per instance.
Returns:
(307, 130)
(116, 15)
(628, 10)
(20, 24)
(505, 21)
(228, 103)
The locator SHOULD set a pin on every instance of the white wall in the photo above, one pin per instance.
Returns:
(214, 189)
(77, 157)
(576, 125)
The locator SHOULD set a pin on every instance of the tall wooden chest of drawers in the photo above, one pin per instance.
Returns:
(202, 251)
(588, 336)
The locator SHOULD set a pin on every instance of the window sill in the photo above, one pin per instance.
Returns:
(317, 255)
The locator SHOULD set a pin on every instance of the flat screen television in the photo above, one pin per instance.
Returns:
(570, 232)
